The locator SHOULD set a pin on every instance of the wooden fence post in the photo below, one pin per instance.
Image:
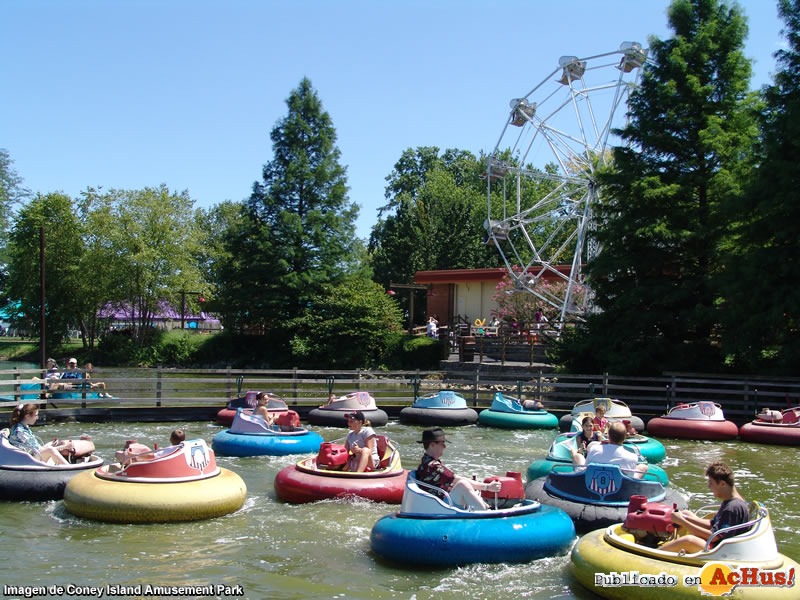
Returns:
(158, 386)
(475, 387)
(605, 385)
(294, 384)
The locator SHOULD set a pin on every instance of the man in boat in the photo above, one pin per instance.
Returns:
(612, 453)
(733, 511)
(431, 470)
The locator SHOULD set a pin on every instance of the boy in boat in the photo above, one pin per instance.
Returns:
(431, 470)
(613, 453)
(733, 511)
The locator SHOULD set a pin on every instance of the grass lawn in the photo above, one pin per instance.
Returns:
(12, 348)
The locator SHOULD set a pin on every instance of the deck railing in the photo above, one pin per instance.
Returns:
(740, 397)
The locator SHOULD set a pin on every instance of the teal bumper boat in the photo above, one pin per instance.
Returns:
(508, 412)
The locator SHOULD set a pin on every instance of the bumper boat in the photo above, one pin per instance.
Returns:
(23, 477)
(560, 454)
(597, 495)
(433, 531)
(697, 421)
(633, 546)
(442, 408)
(80, 390)
(333, 413)
(249, 435)
(276, 407)
(774, 427)
(179, 483)
(508, 413)
(617, 411)
(318, 478)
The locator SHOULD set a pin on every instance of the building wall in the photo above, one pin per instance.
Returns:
(473, 300)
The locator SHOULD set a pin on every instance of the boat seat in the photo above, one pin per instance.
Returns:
(385, 451)
(790, 416)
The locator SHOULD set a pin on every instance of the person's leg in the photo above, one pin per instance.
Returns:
(641, 469)
(365, 454)
(465, 495)
(687, 543)
(48, 452)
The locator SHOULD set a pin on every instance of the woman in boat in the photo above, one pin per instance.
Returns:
(361, 444)
(733, 511)
(586, 436)
(22, 437)
(262, 400)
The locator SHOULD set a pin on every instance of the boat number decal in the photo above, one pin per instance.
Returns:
(198, 457)
(707, 408)
(363, 399)
(603, 482)
(447, 399)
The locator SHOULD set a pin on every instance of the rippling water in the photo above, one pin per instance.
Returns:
(277, 550)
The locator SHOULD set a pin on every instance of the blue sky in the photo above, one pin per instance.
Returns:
(185, 92)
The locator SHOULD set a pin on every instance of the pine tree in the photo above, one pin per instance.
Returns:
(762, 316)
(301, 209)
(667, 202)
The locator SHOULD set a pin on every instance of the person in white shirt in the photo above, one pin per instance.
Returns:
(612, 453)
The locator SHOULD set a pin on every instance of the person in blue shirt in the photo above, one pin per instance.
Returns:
(72, 370)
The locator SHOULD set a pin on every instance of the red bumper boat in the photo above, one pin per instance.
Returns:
(317, 478)
(276, 407)
(697, 421)
(774, 427)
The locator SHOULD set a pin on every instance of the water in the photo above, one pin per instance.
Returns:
(321, 550)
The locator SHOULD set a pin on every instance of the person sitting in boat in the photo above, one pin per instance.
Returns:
(431, 470)
(72, 370)
(22, 437)
(360, 443)
(586, 436)
(95, 385)
(599, 422)
(733, 511)
(176, 437)
(612, 453)
(532, 405)
(262, 400)
(52, 370)
(132, 452)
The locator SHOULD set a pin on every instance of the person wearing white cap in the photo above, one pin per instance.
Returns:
(72, 370)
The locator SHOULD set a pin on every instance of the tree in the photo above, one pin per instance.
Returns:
(762, 321)
(149, 238)
(63, 257)
(348, 326)
(301, 210)
(667, 204)
(11, 193)
(436, 208)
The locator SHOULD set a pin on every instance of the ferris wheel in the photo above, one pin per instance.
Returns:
(542, 173)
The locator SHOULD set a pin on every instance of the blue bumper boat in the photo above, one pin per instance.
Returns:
(250, 435)
(442, 408)
(597, 495)
(433, 531)
(509, 413)
(560, 454)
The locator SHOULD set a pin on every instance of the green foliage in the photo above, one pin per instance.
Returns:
(761, 316)
(11, 193)
(436, 208)
(63, 257)
(421, 352)
(301, 218)
(348, 326)
(667, 202)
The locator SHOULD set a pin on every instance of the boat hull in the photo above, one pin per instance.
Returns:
(456, 541)
(40, 484)
(244, 444)
(335, 417)
(771, 433)
(439, 416)
(296, 486)
(91, 497)
(592, 555)
(690, 429)
(588, 516)
(518, 420)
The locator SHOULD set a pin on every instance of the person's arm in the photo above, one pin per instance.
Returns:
(692, 523)
(480, 486)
